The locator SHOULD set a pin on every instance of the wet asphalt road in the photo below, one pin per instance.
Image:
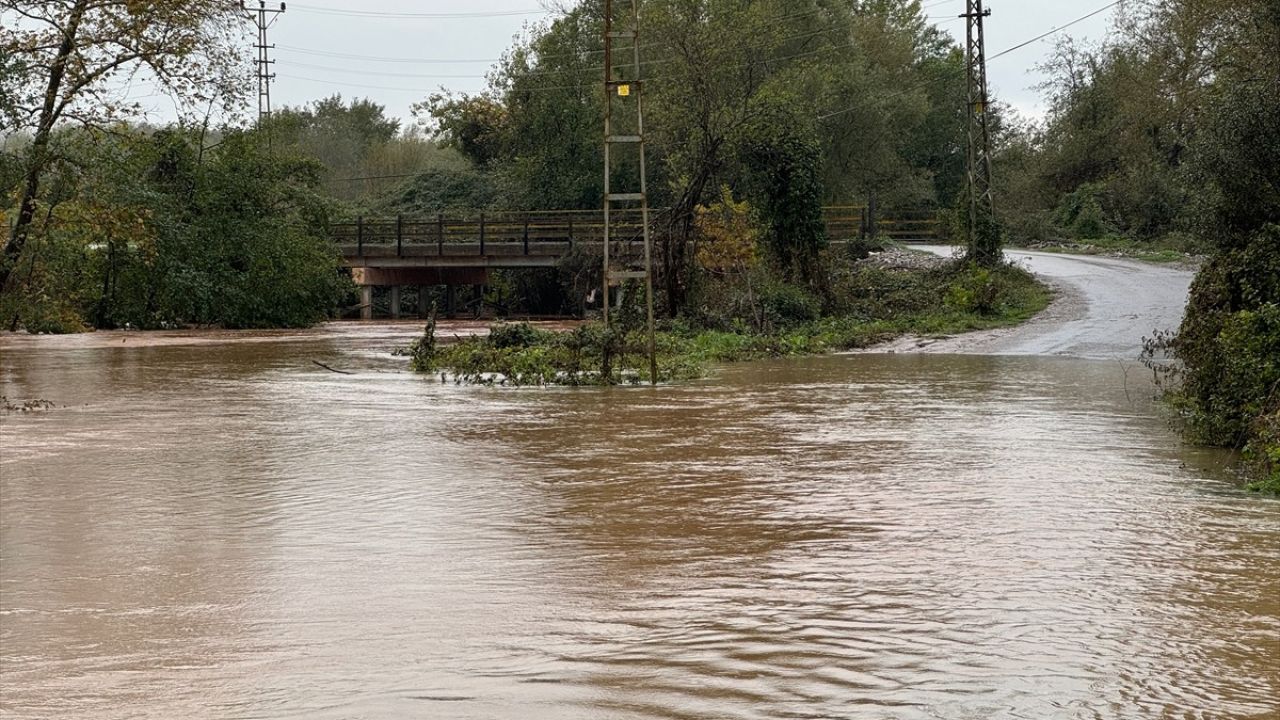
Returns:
(1105, 307)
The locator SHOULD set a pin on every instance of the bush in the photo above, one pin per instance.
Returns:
(989, 292)
(1230, 340)
(1081, 213)
(1262, 454)
(786, 304)
(440, 189)
(515, 335)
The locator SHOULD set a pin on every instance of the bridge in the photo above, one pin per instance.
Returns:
(461, 247)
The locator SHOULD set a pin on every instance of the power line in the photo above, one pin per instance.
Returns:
(530, 73)
(583, 86)
(425, 16)
(1058, 29)
(1002, 53)
(380, 73)
(426, 61)
(375, 58)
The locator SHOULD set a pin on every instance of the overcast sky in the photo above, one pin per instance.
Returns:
(326, 46)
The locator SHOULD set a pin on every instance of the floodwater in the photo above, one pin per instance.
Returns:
(215, 527)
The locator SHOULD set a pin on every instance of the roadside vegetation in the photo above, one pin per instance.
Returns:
(1170, 133)
(868, 305)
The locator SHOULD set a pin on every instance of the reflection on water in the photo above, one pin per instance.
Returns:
(223, 529)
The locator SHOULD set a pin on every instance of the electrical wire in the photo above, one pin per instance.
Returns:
(1058, 29)
(1002, 53)
(376, 58)
(409, 15)
(531, 73)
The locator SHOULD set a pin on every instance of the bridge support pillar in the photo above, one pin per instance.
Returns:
(395, 302)
(366, 302)
(424, 307)
(450, 300)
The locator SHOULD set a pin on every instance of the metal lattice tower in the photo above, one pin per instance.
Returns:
(263, 18)
(625, 95)
(981, 214)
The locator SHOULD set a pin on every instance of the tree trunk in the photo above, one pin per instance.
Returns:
(675, 255)
(40, 147)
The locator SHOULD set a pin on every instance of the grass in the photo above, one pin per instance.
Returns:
(879, 306)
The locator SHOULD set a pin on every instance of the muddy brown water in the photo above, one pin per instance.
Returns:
(211, 526)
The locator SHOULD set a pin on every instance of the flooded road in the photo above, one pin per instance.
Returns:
(212, 527)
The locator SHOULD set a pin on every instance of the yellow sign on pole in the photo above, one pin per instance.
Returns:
(624, 90)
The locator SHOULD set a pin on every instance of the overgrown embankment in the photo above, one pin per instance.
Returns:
(1228, 388)
(870, 305)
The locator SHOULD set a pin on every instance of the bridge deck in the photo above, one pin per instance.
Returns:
(540, 239)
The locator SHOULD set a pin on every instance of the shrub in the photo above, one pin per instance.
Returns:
(1262, 454)
(786, 304)
(515, 335)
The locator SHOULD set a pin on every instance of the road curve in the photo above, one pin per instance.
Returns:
(1104, 307)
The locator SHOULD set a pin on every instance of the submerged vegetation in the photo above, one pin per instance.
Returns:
(951, 298)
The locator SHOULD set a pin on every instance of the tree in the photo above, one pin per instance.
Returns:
(477, 126)
(780, 151)
(352, 139)
(860, 78)
(67, 53)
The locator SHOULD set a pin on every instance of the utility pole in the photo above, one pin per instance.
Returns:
(626, 93)
(263, 18)
(984, 242)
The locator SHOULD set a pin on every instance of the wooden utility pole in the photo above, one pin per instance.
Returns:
(984, 240)
(626, 93)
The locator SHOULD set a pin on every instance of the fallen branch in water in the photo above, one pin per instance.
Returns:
(25, 406)
(332, 370)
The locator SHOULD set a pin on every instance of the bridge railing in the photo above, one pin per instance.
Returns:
(481, 233)
(461, 233)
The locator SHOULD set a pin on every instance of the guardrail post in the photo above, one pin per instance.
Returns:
(360, 236)
(482, 233)
(526, 234)
(440, 234)
(570, 232)
(399, 235)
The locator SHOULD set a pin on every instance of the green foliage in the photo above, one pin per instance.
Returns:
(881, 304)
(438, 190)
(1229, 341)
(974, 291)
(517, 354)
(477, 126)
(1081, 212)
(362, 150)
(983, 240)
(787, 104)
(516, 335)
(422, 352)
(782, 157)
(1232, 361)
(786, 305)
(151, 231)
(1262, 454)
